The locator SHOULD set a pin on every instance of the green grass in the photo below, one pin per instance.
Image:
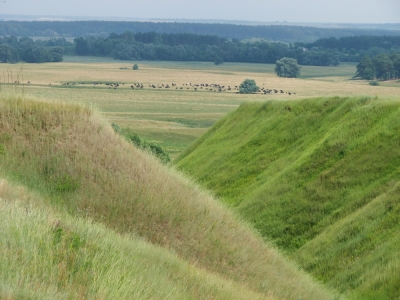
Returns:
(75, 161)
(310, 175)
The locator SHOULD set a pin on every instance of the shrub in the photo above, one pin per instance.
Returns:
(116, 128)
(248, 87)
(374, 82)
(149, 147)
(135, 67)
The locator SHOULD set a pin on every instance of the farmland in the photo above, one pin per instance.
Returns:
(174, 118)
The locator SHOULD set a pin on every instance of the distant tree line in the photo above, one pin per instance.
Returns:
(383, 67)
(284, 33)
(354, 48)
(196, 47)
(200, 47)
(14, 49)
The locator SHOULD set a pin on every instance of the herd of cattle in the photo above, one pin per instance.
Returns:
(212, 87)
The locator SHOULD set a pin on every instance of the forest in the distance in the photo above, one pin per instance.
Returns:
(283, 33)
(193, 47)
(375, 52)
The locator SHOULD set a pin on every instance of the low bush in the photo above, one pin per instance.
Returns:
(374, 83)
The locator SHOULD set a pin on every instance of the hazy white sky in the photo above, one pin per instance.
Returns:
(322, 11)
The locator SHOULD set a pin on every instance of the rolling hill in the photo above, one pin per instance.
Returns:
(100, 204)
(319, 178)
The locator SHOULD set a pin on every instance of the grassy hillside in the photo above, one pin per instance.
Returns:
(78, 164)
(318, 177)
(49, 255)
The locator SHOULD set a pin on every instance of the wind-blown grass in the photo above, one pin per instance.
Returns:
(72, 157)
(50, 255)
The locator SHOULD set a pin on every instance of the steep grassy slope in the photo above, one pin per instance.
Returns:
(75, 160)
(320, 178)
(49, 255)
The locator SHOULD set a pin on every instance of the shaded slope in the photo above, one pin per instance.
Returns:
(73, 158)
(302, 171)
(49, 255)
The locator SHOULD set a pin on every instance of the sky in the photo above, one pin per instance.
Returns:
(304, 11)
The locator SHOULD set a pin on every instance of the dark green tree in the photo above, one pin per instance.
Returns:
(57, 54)
(384, 68)
(230, 49)
(395, 57)
(35, 54)
(8, 54)
(365, 69)
(287, 67)
(81, 46)
(135, 67)
(248, 87)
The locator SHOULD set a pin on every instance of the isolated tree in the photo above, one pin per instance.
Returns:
(248, 87)
(365, 69)
(287, 67)
(135, 67)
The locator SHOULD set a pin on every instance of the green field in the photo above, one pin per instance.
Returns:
(170, 117)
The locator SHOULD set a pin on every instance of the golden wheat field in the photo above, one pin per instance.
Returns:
(176, 116)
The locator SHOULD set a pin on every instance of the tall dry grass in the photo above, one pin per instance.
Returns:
(50, 255)
(74, 158)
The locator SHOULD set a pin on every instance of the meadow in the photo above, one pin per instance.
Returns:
(174, 118)
(74, 170)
